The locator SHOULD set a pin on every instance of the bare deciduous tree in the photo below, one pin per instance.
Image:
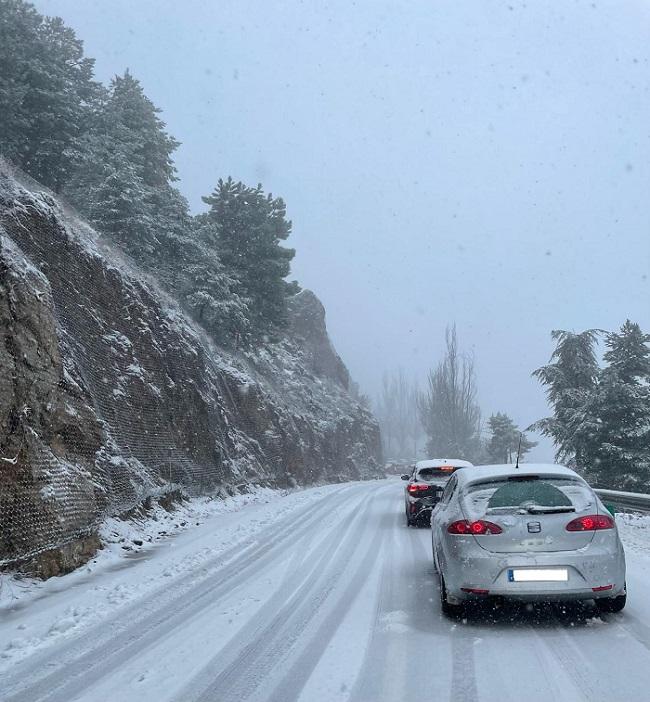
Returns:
(398, 415)
(448, 409)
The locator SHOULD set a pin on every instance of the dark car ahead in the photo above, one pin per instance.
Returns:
(425, 485)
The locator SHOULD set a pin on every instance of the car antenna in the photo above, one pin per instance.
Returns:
(519, 449)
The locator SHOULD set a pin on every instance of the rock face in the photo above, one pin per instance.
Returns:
(110, 395)
(308, 326)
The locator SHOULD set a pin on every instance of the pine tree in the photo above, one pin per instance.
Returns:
(601, 421)
(503, 444)
(19, 34)
(140, 131)
(208, 290)
(628, 355)
(248, 226)
(620, 451)
(47, 92)
(570, 379)
(124, 174)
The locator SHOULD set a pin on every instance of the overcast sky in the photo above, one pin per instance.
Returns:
(482, 162)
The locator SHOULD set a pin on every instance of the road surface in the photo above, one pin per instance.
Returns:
(318, 596)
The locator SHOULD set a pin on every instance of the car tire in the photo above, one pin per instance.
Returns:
(409, 521)
(611, 605)
(452, 611)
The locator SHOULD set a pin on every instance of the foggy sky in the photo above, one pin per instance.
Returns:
(477, 161)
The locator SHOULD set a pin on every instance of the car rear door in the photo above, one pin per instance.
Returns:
(531, 525)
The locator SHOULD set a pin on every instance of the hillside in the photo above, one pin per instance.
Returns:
(111, 396)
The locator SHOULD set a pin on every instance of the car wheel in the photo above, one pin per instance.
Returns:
(608, 605)
(450, 610)
(409, 521)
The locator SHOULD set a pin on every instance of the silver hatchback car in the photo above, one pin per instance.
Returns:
(536, 532)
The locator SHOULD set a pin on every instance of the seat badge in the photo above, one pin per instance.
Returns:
(534, 527)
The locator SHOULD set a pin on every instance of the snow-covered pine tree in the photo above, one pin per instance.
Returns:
(47, 92)
(503, 444)
(124, 174)
(571, 379)
(141, 131)
(174, 233)
(208, 290)
(115, 200)
(247, 228)
(620, 454)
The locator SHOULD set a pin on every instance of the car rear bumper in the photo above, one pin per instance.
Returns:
(592, 573)
(420, 506)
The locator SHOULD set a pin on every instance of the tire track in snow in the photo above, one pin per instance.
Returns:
(562, 649)
(406, 623)
(292, 583)
(463, 672)
(81, 662)
(463, 686)
(633, 627)
(424, 609)
(585, 654)
(243, 675)
(377, 660)
(297, 675)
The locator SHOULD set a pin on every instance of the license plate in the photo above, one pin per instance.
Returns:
(538, 575)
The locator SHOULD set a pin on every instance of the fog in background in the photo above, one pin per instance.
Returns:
(480, 162)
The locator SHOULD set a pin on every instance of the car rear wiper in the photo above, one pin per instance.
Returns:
(541, 509)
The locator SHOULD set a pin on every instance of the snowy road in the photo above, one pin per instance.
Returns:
(321, 595)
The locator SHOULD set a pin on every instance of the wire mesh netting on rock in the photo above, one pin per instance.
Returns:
(110, 395)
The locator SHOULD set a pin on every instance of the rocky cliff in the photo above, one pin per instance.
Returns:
(110, 395)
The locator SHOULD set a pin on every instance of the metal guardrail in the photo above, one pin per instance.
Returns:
(626, 501)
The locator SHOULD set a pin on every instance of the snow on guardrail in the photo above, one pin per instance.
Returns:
(626, 501)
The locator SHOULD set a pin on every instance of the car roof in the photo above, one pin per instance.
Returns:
(500, 471)
(437, 462)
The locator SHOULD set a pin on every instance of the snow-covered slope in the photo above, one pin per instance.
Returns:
(110, 395)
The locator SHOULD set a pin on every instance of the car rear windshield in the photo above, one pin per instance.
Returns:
(535, 493)
(426, 474)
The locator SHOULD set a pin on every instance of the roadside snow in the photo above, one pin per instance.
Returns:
(131, 540)
(139, 556)
(635, 532)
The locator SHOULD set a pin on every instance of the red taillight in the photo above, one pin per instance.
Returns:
(414, 488)
(475, 590)
(602, 588)
(592, 522)
(478, 528)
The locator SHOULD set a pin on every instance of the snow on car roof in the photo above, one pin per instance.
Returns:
(437, 462)
(500, 471)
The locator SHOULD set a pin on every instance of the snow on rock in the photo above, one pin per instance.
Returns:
(111, 395)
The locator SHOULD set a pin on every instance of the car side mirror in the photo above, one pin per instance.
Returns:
(405, 477)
